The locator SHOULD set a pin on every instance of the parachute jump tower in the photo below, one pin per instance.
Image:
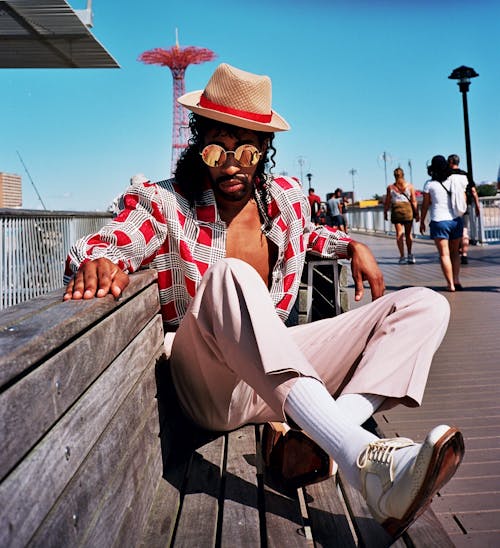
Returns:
(177, 59)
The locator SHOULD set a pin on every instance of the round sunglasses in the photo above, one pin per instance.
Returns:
(216, 156)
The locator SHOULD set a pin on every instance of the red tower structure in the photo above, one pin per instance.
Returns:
(178, 59)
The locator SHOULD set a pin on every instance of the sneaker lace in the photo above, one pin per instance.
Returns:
(382, 451)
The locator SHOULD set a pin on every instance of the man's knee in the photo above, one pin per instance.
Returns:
(231, 264)
(235, 269)
(436, 307)
(228, 273)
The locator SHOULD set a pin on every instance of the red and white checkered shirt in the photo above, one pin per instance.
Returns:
(159, 228)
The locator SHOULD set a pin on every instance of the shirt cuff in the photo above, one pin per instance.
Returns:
(341, 247)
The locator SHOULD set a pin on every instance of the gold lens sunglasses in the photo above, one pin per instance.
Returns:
(216, 156)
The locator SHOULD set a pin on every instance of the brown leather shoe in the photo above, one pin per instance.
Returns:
(294, 457)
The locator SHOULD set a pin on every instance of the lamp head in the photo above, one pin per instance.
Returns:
(463, 74)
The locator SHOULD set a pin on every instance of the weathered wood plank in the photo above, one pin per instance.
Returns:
(477, 539)
(23, 311)
(23, 502)
(14, 314)
(327, 514)
(137, 416)
(30, 335)
(479, 521)
(417, 431)
(452, 523)
(35, 402)
(486, 405)
(137, 514)
(472, 470)
(460, 503)
(283, 514)
(466, 485)
(428, 531)
(368, 531)
(240, 525)
(120, 517)
(284, 519)
(198, 522)
(165, 508)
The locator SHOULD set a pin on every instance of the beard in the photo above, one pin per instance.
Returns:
(233, 187)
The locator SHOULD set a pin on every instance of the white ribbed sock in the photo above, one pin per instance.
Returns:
(312, 408)
(359, 407)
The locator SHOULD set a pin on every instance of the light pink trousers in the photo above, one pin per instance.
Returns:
(234, 361)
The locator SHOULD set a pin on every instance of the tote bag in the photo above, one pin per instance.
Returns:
(456, 193)
(458, 197)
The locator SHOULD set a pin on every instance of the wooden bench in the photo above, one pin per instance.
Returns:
(220, 494)
(96, 452)
(79, 420)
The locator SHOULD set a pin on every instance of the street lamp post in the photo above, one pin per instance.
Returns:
(353, 172)
(463, 75)
(309, 177)
(411, 171)
(387, 158)
(301, 164)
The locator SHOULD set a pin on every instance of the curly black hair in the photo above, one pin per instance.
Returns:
(190, 171)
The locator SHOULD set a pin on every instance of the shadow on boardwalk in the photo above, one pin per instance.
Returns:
(464, 383)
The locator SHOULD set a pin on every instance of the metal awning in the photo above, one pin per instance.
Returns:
(47, 34)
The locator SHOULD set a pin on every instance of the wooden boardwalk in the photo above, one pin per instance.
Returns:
(464, 384)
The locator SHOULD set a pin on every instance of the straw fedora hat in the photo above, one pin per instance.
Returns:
(236, 97)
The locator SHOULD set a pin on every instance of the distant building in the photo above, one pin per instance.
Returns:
(11, 194)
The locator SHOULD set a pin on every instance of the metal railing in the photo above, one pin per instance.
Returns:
(34, 244)
(487, 227)
(33, 249)
(483, 229)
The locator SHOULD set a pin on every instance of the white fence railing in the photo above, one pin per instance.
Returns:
(34, 244)
(483, 229)
(487, 226)
(33, 250)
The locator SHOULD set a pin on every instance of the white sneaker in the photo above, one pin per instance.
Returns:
(402, 260)
(397, 493)
(411, 259)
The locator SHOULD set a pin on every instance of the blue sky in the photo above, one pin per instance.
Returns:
(354, 79)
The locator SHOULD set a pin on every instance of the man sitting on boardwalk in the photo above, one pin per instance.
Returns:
(229, 242)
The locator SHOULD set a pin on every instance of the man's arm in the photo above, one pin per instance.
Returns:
(414, 204)
(425, 206)
(475, 197)
(98, 264)
(387, 203)
(337, 244)
(364, 267)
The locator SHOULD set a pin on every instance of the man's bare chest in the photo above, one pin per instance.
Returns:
(250, 244)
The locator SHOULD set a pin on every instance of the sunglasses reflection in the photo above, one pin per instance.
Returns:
(216, 156)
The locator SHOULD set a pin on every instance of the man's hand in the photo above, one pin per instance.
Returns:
(96, 279)
(365, 267)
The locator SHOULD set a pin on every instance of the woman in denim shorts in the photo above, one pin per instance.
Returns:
(445, 228)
